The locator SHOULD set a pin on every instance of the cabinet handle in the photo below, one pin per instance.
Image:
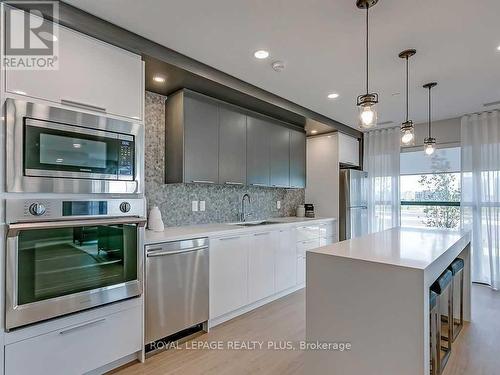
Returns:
(229, 238)
(84, 325)
(259, 185)
(261, 233)
(233, 183)
(202, 182)
(92, 107)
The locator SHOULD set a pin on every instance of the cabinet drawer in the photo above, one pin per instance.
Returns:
(301, 270)
(308, 232)
(78, 348)
(303, 246)
(324, 241)
(326, 229)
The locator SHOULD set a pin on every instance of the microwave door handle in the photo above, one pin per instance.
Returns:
(14, 229)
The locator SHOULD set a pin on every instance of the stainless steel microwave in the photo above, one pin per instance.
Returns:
(63, 151)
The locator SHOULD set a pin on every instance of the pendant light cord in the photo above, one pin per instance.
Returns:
(367, 91)
(429, 112)
(407, 90)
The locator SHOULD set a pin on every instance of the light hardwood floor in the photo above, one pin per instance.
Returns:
(476, 351)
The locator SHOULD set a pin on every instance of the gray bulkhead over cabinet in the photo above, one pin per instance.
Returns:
(279, 155)
(232, 146)
(192, 139)
(297, 159)
(258, 170)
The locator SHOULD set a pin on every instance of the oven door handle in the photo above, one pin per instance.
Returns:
(14, 229)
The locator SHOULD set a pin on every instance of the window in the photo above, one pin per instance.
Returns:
(430, 189)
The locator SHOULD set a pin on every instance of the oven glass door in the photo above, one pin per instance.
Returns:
(58, 262)
(60, 150)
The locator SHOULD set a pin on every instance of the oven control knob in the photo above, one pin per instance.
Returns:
(124, 207)
(37, 209)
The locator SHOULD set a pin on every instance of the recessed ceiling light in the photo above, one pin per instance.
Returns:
(498, 48)
(159, 79)
(261, 54)
(333, 95)
(314, 131)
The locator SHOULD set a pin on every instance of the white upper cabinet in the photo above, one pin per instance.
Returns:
(92, 75)
(348, 150)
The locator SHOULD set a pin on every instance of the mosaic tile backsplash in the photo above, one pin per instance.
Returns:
(223, 203)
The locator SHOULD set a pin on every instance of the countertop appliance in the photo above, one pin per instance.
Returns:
(64, 256)
(353, 207)
(176, 287)
(309, 210)
(54, 150)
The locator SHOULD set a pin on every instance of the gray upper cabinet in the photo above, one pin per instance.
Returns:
(279, 155)
(209, 141)
(232, 146)
(192, 139)
(297, 159)
(257, 152)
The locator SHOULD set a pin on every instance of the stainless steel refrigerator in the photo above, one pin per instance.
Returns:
(353, 207)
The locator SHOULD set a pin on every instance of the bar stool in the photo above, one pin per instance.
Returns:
(435, 329)
(442, 287)
(457, 268)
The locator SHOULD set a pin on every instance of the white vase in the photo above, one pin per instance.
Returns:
(155, 223)
(301, 211)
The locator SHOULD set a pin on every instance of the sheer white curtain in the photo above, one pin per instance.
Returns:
(381, 160)
(480, 134)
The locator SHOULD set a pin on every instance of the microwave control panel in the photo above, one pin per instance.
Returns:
(126, 160)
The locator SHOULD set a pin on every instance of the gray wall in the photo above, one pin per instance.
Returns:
(222, 201)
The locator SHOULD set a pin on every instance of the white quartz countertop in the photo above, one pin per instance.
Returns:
(212, 230)
(405, 247)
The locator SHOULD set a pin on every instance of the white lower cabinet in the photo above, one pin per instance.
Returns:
(285, 260)
(261, 265)
(247, 268)
(301, 269)
(324, 241)
(79, 348)
(228, 274)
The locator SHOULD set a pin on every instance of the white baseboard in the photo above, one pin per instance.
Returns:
(242, 310)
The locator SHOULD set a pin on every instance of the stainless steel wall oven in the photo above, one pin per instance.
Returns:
(65, 256)
(63, 151)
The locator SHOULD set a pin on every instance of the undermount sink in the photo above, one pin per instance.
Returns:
(256, 223)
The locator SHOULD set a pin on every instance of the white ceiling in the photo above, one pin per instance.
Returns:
(322, 44)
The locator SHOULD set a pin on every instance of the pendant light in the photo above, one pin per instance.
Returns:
(407, 128)
(429, 142)
(366, 102)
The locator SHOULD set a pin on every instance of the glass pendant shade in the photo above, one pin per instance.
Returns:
(367, 116)
(407, 134)
(429, 141)
(429, 145)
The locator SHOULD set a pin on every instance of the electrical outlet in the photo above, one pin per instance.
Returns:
(202, 205)
(278, 204)
(194, 206)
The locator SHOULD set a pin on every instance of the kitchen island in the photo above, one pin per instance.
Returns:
(372, 293)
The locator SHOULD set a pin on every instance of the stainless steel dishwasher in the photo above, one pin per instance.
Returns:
(176, 287)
